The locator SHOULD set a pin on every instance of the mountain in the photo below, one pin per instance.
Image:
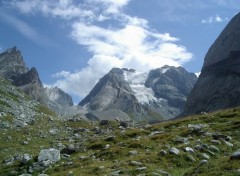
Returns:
(218, 86)
(58, 96)
(12, 64)
(157, 95)
(14, 69)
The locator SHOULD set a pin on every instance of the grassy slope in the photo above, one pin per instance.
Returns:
(95, 159)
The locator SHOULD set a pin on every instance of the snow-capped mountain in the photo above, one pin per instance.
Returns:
(156, 95)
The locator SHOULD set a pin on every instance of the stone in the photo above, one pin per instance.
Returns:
(135, 163)
(174, 151)
(163, 153)
(229, 144)
(25, 175)
(52, 155)
(70, 149)
(216, 142)
(25, 158)
(163, 173)
(116, 173)
(197, 126)
(133, 152)
(189, 150)
(235, 155)
(181, 141)
(190, 158)
(141, 168)
(214, 148)
(202, 162)
(205, 156)
(155, 133)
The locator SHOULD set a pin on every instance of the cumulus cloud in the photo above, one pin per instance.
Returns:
(132, 46)
(132, 43)
(214, 19)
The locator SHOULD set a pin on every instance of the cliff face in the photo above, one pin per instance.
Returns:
(218, 86)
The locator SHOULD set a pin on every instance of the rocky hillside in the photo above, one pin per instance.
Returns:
(199, 145)
(218, 86)
(14, 69)
(157, 95)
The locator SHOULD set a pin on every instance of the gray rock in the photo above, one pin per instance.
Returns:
(202, 162)
(135, 163)
(25, 175)
(25, 158)
(163, 153)
(214, 148)
(235, 155)
(181, 141)
(52, 155)
(174, 151)
(141, 168)
(163, 173)
(190, 158)
(133, 152)
(189, 150)
(229, 144)
(205, 156)
(216, 142)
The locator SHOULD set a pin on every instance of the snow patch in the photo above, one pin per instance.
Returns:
(137, 81)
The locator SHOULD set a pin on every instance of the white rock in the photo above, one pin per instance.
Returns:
(51, 154)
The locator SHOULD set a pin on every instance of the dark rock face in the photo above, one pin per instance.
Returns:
(59, 96)
(173, 85)
(157, 95)
(218, 86)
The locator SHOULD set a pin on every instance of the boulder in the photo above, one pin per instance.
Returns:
(235, 155)
(52, 155)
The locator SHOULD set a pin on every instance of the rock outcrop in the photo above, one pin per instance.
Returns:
(157, 95)
(58, 96)
(218, 86)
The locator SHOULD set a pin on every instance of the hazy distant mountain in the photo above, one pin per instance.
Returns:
(218, 86)
(157, 95)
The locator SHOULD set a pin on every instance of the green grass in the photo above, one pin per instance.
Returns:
(103, 157)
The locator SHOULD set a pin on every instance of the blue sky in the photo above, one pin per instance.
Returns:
(73, 43)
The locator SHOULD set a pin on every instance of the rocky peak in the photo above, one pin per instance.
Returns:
(218, 86)
(159, 94)
(30, 77)
(227, 42)
(12, 64)
(58, 96)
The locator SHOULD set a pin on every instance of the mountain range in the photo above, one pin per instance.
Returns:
(124, 93)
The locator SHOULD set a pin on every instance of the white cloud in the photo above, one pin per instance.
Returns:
(131, 44)
(214, 19)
